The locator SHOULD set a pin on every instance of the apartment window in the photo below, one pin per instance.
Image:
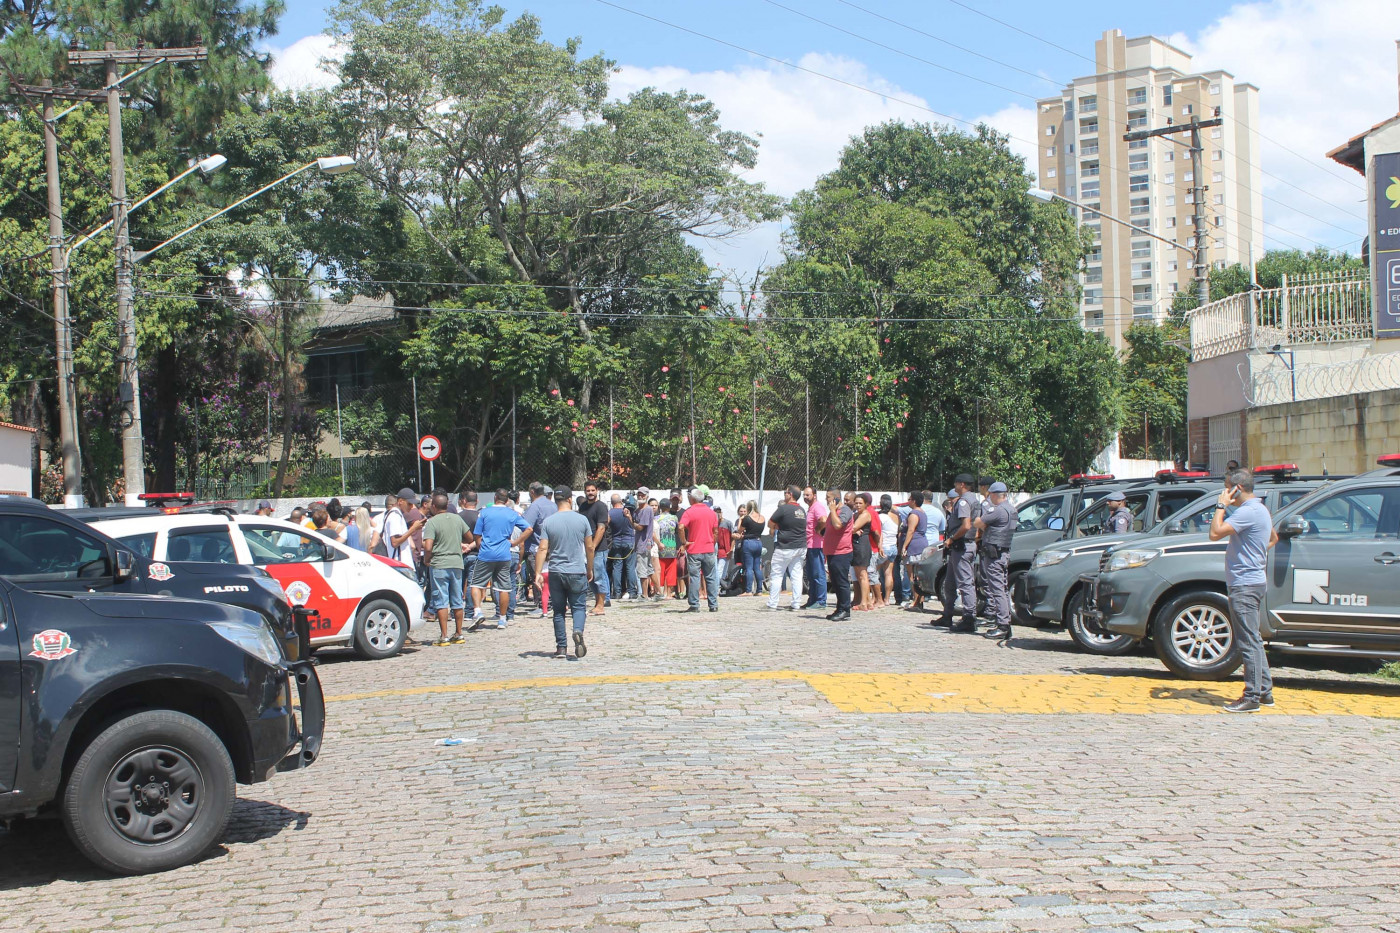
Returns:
(1137, 163)
(1049, 152)
(1069, 110)
(1142, 312)
(1142, 270)
(1215, 90)
(1142, 293)
(1167, 94)
(1188, 176)
(1220, 199)
(1137, 144)
(1095, 255)
(1070, 150)
(1171, 265)
(1169, 156)
(1139, 205)
(1220, 264)
(1171, 222)
(1137, 119)
(1215, 132)
(1050, 130)
(1137, 183)
(1091, 189)
(1093, 318)
(1190, 242)
(1093, 296)
(1088, 127)
(1137, 96)
(1217, 156)
(1171, 200)
(1089, 169)
(1187, 110)
(1141, 249)
(1169, 178)
(1093, 276)
(1218, 220)
(1049, 173)
(1173, 287)
(1217, 176)
(1069, 191)
(1088, 149)
(1088, 104)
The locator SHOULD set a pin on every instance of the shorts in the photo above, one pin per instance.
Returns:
(445, 586)
(643, 565)
(494, 574)
(667, 568)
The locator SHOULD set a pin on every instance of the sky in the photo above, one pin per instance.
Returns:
(806, 75)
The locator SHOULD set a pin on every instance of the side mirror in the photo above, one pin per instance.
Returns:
(1293, 526)
(331, 553)
(126, 564)
(1176, 527)
(1056, 524)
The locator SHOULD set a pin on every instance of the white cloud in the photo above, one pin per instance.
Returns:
(1019, 123)
(1325, 70)
(298, 66)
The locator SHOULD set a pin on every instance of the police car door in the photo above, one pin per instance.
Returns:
(9, 695)
(1340, 571)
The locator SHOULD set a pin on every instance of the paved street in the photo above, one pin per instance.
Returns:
(750, 770)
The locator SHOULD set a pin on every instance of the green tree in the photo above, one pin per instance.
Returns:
(1154, 390)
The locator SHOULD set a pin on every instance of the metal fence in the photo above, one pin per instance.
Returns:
(1320, 308)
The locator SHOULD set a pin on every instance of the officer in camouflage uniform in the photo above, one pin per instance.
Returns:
(962, 550)
(997, 524)
(1120, 520)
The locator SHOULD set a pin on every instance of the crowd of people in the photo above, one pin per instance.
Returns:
(569, 557)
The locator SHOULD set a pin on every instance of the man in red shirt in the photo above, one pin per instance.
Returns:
(696, 539)
(836, 545)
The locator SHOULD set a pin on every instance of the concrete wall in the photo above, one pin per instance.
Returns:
(1340, 435)
(16, 461)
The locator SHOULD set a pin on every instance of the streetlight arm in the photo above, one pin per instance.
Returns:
(217, 214)
(204, 165)
(1047, 196)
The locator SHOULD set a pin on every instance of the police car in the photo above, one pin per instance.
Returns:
(1054, 590)
(1333, 583)
(361, 599)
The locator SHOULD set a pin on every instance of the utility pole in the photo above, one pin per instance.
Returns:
(1198, 193)
(128, 374)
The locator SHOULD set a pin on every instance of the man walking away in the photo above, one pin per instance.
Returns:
(997, 523)
(541, 507)
(596, 511)
(815, 569)
(565, 558)
(789, 524)
(467, 510)
(443, 535)
(1120, 520)
(499, 528)
(836, 545)
(1250, 529)
(697, 529)
(962, 550)
(622, 556)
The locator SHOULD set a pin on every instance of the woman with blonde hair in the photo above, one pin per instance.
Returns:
(359, 531)
(750, 531)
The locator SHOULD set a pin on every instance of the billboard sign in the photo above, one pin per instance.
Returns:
(1385, 242)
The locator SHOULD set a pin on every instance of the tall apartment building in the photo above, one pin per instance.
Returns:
(1145, 83)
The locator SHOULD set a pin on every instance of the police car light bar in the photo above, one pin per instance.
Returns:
(1171, 476)
(1389, 460)
(158, 499)
(1281, 468)
(1082, 478)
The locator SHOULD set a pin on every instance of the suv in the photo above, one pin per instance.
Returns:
(1150, 500)
(1333, 583)
(360, 599)
(1055, 591)
(133, 716)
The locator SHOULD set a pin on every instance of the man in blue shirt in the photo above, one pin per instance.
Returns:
(498, 528)
(622, 556)
(1250, 529)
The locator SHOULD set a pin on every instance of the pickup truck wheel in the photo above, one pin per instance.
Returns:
(152, 792)
(1092, 638)
(380, 629)
(1020, 602)
(1195, 638)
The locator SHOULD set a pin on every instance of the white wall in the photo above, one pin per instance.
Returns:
(16, 461)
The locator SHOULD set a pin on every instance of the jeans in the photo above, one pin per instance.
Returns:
(446, 587)
(752, 552)
(1245, 604)
(568, 592)
(600, 575)
(901, 588)
(839, 569)
(514, 584)
(786, 562)
(815, 572)
(622, 570)
(468, 575)
(708, 566)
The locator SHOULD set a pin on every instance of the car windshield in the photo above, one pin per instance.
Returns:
(1038, 513)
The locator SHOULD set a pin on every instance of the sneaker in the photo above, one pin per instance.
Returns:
(560, 654)
(441, 643)
(692, 609)
(1243, 705)
(537, 614)
(657, 597)
(457, 639)
(840, 617)
(580, 649)
(1267, 699)
(714, 609)
(998, 632)
(964, 627)
(500, 626)
(626, 598)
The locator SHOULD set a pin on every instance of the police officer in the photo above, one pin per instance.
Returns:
(997, 524)
(1120, 520)
(961, 545)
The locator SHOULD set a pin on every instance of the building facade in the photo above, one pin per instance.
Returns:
(1139, 84)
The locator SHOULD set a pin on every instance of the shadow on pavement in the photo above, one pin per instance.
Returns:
(38, 852)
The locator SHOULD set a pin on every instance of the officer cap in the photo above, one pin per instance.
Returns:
(998, 487)
(966, 479)
(1114, 495)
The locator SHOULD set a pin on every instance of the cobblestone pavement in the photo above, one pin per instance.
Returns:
(748, 770)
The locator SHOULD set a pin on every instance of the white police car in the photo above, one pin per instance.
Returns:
(363, 600)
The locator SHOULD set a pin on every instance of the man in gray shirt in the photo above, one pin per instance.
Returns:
(565, 560)
(1250, 529)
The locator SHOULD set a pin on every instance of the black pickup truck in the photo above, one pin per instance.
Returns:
(132, 714)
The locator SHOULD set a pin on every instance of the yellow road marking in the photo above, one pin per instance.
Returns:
(1094, 694)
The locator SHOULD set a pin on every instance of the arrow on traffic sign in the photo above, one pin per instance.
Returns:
(429, 447)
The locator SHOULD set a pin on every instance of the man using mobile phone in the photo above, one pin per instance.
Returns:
(1250, 529)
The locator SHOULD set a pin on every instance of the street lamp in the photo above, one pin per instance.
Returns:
(1047, 197)
(206, 167)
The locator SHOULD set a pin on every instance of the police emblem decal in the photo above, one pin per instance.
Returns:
(52, 644)
(298, 592)
(160, 572)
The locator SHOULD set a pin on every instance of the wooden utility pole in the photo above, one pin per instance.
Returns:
(1198, 193)
(128, 373)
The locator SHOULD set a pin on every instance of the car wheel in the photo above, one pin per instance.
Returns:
(1195, 638)
(1092, 638)
(152, 792)
(380, 629)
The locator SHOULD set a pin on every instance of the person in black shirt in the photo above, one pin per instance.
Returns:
(596, 511)
(789, 524)
(467, 511)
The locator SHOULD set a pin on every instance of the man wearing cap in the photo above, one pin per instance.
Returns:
(997, 524)
(399, 529)
(962, 550)
(264, 508)
(1120, 520)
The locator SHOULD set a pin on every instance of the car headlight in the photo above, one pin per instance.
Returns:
(1049, 558)
(1130, 558)
(256, 640)
(408, 572)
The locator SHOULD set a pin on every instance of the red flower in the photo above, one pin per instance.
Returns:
(899, 424)
(665, 369)
(571, 403)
